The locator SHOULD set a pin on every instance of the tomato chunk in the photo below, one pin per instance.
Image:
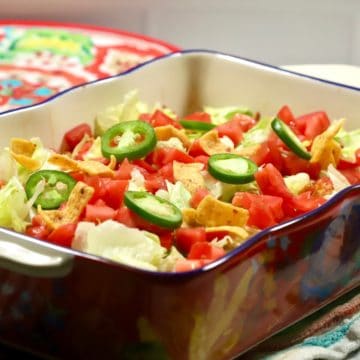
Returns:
(199, 116)
(285, 114)
(159, 118)
(198, 196)
(312, 124)
(63, 235)
(232, 129)
(99, 213)
(205, 250)
(186, 237)
(75, 135)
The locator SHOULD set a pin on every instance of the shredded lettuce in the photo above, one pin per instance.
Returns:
(176, 194)
(350, 142)
(120, 243)
(128, 110)
(95, 150)
(168, 263)
(257, 134)
(338, 180)
(13, 204)
(8, 165)
(297, 183)
(137, 181)
(220, 115)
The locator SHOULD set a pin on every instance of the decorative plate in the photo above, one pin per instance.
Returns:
(39, 59)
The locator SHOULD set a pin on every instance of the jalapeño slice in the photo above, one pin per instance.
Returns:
(290, 139)
(231, 168)
(129, 139)
(58, 186)
(196, 125)
(154, 209)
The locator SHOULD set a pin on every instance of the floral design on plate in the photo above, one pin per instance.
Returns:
(39, 59)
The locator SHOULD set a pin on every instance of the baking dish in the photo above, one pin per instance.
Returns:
(62, 303)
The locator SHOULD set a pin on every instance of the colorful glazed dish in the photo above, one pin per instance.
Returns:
(149, 189)
(75, 299)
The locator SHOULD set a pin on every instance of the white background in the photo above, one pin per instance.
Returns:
(278, 31)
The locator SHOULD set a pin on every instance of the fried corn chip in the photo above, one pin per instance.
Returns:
(80, 145)
(189, 175)
(212, 212)
(325, 150)
(211, 143)
(168, 131)
(189, 216)
(112, 163)
(22, 146)
(91, 167)
(78, 199)
(64, 162)
(22, 150)
(237, 232)
(247, 151)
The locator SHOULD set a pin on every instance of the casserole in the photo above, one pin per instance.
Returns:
(63, 303)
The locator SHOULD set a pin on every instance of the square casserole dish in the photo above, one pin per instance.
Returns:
(62, 303)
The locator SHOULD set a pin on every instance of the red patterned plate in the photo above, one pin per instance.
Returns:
(39, 59)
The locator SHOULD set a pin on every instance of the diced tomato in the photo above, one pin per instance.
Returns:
(163, 156)
(292, 164)
(196, 149)
(77, 175)
(186, 237)
(346, 164)
(264, 210)
(232, 129)
(271, 182)
(145, 117)
(352, 175)
(84, 149)
(166, 240)
(123, 215)
(276, 147)
(167, 172)
(183, 265)
(154, 182)
(114, 191)
(198, 195)
(286, 115)
(97, 214)
(124, 170)
(261, 156)
(246, 122)
(63, 235)
(159, 118)
(37, 220)
(144, 165)
(312, 124)
(38, 231)
(219, 234)
(205, 250)
(199, 116)
(203, 159)
(306, 202)
(75, 135)
(97, 183)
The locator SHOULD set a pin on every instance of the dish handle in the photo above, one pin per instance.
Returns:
(20, 254)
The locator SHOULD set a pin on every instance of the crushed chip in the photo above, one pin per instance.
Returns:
(22, 150)
(325, 150)
(166, 132)
(212, 212)
(211, 143)
(189, 216)
(247, 151)
(91, 167)
(64, 162)
(78, 199)
(189, 175)
(80, 145)
(236, 232)
(22, 146)
(112, 163)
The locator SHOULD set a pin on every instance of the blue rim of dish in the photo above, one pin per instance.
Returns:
(249, 242)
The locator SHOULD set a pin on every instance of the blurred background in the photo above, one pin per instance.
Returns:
(272, 31)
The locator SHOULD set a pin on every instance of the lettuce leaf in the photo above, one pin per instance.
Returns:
(220, 115)
(8, 165)
(338, 180)
(350, 142)
(13, 204)
(120, 243)
(297, 183)
(176, 194)
(128, 110)
(257, 134)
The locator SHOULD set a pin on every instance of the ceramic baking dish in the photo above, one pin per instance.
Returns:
(62, 303)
